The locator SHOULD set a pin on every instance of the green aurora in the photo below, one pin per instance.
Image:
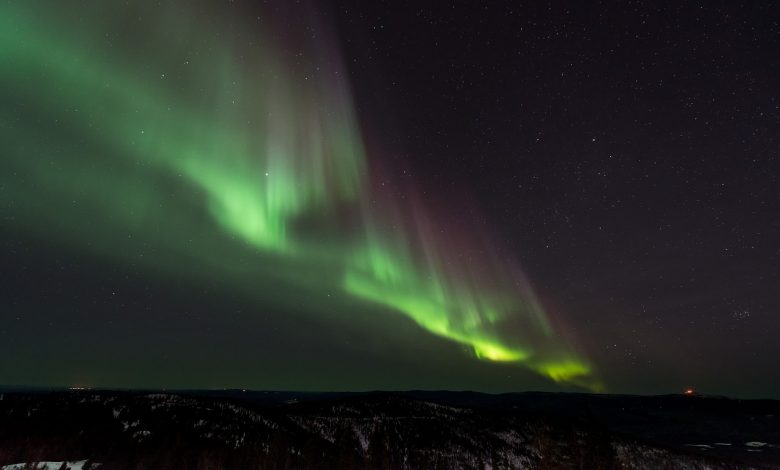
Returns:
(183, 142)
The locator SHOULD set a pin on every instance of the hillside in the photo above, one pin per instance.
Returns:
(238, 429)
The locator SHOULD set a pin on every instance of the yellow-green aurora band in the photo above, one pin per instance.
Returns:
(122, 119)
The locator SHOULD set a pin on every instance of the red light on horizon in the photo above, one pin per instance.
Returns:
(689, 391)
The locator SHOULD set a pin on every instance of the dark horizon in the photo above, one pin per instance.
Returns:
(319, 394)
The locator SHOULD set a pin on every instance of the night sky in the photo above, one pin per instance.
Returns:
(354, 195)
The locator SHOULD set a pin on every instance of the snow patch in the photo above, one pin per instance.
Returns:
(128, 425)
(49, 465)
(362, 438)
(755, 444)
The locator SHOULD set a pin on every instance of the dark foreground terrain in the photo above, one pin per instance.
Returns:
(237, 429)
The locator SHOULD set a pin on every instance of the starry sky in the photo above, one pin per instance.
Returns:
(352, 195)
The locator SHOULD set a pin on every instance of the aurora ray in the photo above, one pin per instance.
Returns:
(235, 143)
(482, 303)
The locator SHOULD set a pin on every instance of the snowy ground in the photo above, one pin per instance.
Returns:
(74, 465)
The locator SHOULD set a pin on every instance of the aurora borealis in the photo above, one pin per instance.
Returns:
(269, 157)
(228, 149)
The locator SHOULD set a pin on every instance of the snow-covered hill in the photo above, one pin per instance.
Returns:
(85, 429)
